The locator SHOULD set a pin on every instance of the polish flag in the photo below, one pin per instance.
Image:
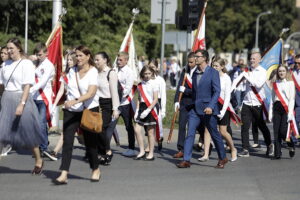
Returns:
(199, 40)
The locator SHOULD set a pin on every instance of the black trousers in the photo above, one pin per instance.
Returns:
(71, 123)
(255, 131)
(172, 79)
(280, 126)
(127, 117)
(248, 114)
(182, 129)
(104, 140)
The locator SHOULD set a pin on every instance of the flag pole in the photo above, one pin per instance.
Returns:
(200, 22)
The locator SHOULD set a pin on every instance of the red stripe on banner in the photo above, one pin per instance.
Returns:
(261, 101)
(295, 81)
(286, 108)
(140, 87)
(48, 115)
(233, 116)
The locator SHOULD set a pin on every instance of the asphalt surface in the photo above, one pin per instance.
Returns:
(253, 178)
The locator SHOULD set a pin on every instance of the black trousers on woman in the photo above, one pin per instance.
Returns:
(280, 126)
(104, 137)
(71, 123)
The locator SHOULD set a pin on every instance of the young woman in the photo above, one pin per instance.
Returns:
(224, 100)
(19, 121)
(81, 87)
(108, 100)
(282, 108)
(71, 61)
(146, 112)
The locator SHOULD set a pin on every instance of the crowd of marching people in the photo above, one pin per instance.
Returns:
(209, 99)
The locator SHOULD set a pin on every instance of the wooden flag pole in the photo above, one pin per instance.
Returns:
(175, 113)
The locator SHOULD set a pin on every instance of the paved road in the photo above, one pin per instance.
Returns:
(253, 178)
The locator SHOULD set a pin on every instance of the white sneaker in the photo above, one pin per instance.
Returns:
(6, 150)
(129, 153)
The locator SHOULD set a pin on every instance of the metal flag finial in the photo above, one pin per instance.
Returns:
(63, 13)
(135, 11)
(283, 31)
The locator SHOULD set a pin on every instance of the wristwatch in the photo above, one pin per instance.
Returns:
(23, 102)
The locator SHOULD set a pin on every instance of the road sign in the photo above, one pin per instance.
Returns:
(156, 9)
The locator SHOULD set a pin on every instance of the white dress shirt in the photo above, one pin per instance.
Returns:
(126, 79)
(108, 89)
(23, 74)
(162, 92)
(287, 91)
(225, 93)
(90, 78)
(149, 87)
(256, 78)
(44, 73)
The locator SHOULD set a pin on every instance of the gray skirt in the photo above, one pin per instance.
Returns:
(19, 131)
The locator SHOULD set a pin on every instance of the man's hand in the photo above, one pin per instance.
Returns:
(208, 111)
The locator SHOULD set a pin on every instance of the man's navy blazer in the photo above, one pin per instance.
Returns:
(207, 91)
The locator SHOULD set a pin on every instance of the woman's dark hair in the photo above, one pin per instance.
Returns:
(105, 56)
(145, 68)
(17, 43)
(86, 52)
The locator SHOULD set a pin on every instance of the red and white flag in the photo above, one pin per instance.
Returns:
(199, 39)
(55, 55)
(128, 47)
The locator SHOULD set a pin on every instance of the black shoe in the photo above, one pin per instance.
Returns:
(150, 159)
(292, 152)
(56, 182)
(109, 158)
(197, 147)
(140, 157)
(270, 150)
(244, 153)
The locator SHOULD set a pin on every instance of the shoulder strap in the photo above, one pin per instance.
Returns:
(77, 81)
(12, 73)
(109, 74)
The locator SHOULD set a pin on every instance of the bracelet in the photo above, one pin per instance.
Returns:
(23, 102)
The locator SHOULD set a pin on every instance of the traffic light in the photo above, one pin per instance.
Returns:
(191, 12)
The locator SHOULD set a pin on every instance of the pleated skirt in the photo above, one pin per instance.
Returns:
(19, 131)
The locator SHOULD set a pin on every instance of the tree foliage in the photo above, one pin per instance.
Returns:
(102, 24)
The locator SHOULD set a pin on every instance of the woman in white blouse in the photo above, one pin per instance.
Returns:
(81, 84)
(109, 102)
(281, 110)
(19, 119)
(224, 118)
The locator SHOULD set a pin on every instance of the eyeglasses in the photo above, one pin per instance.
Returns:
(297, 63)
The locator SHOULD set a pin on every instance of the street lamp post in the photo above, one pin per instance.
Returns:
(257, 26)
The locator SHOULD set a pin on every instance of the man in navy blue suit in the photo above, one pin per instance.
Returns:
(206, 91)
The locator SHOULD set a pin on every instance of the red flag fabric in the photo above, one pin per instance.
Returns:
(199, 39)
(55, 55)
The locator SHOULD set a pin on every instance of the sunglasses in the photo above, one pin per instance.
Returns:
(297, 63)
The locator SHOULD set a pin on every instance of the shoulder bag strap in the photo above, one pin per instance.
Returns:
(12, 73)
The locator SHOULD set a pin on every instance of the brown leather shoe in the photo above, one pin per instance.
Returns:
(221, 163)
(183, 164)
(179, 154)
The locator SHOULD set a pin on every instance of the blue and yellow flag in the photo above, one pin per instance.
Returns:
(272, 58)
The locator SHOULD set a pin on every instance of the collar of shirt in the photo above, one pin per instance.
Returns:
(122, 68)
(281, 81)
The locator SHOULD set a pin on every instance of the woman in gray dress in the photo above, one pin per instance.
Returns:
(19, 125)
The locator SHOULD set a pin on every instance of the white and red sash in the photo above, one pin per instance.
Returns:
(233, 116)
(263, 105)
(295, 81)
(188, 80)
(292, 125)
(153, 111)
(130, 97)
(47, 103)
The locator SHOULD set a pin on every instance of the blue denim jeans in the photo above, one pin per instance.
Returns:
(43, 121)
